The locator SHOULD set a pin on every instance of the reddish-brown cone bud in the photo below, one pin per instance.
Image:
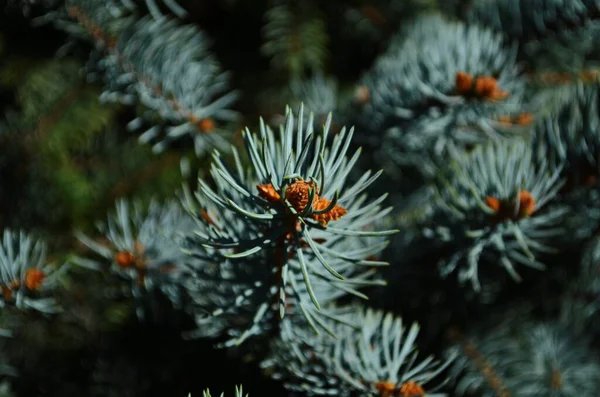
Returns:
(332, 215)
(493, 203)
(268, 192)
(526, 203)
(124, 259)
(411, 389)
(385, 389)
(34, 278)
(298, 194)
(464, 82)
(487, 87)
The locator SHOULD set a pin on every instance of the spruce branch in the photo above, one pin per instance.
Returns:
(301, 360)
(378, 356)
(186, 88)
(440, 87)
(569, 137)
(161, 64)
(97, 21)
(481, 357)
(528, 359)
(26, 275)
(491, 210)
(141, 246)
(283, 228)
(381, 358)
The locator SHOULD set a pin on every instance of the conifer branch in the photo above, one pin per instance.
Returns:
(441, 87)
(479, 360)
(189, 91)
(25, 275)
(373, 354)
(532, 359)
(491, 209)
(142, 247)
(275, 219)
